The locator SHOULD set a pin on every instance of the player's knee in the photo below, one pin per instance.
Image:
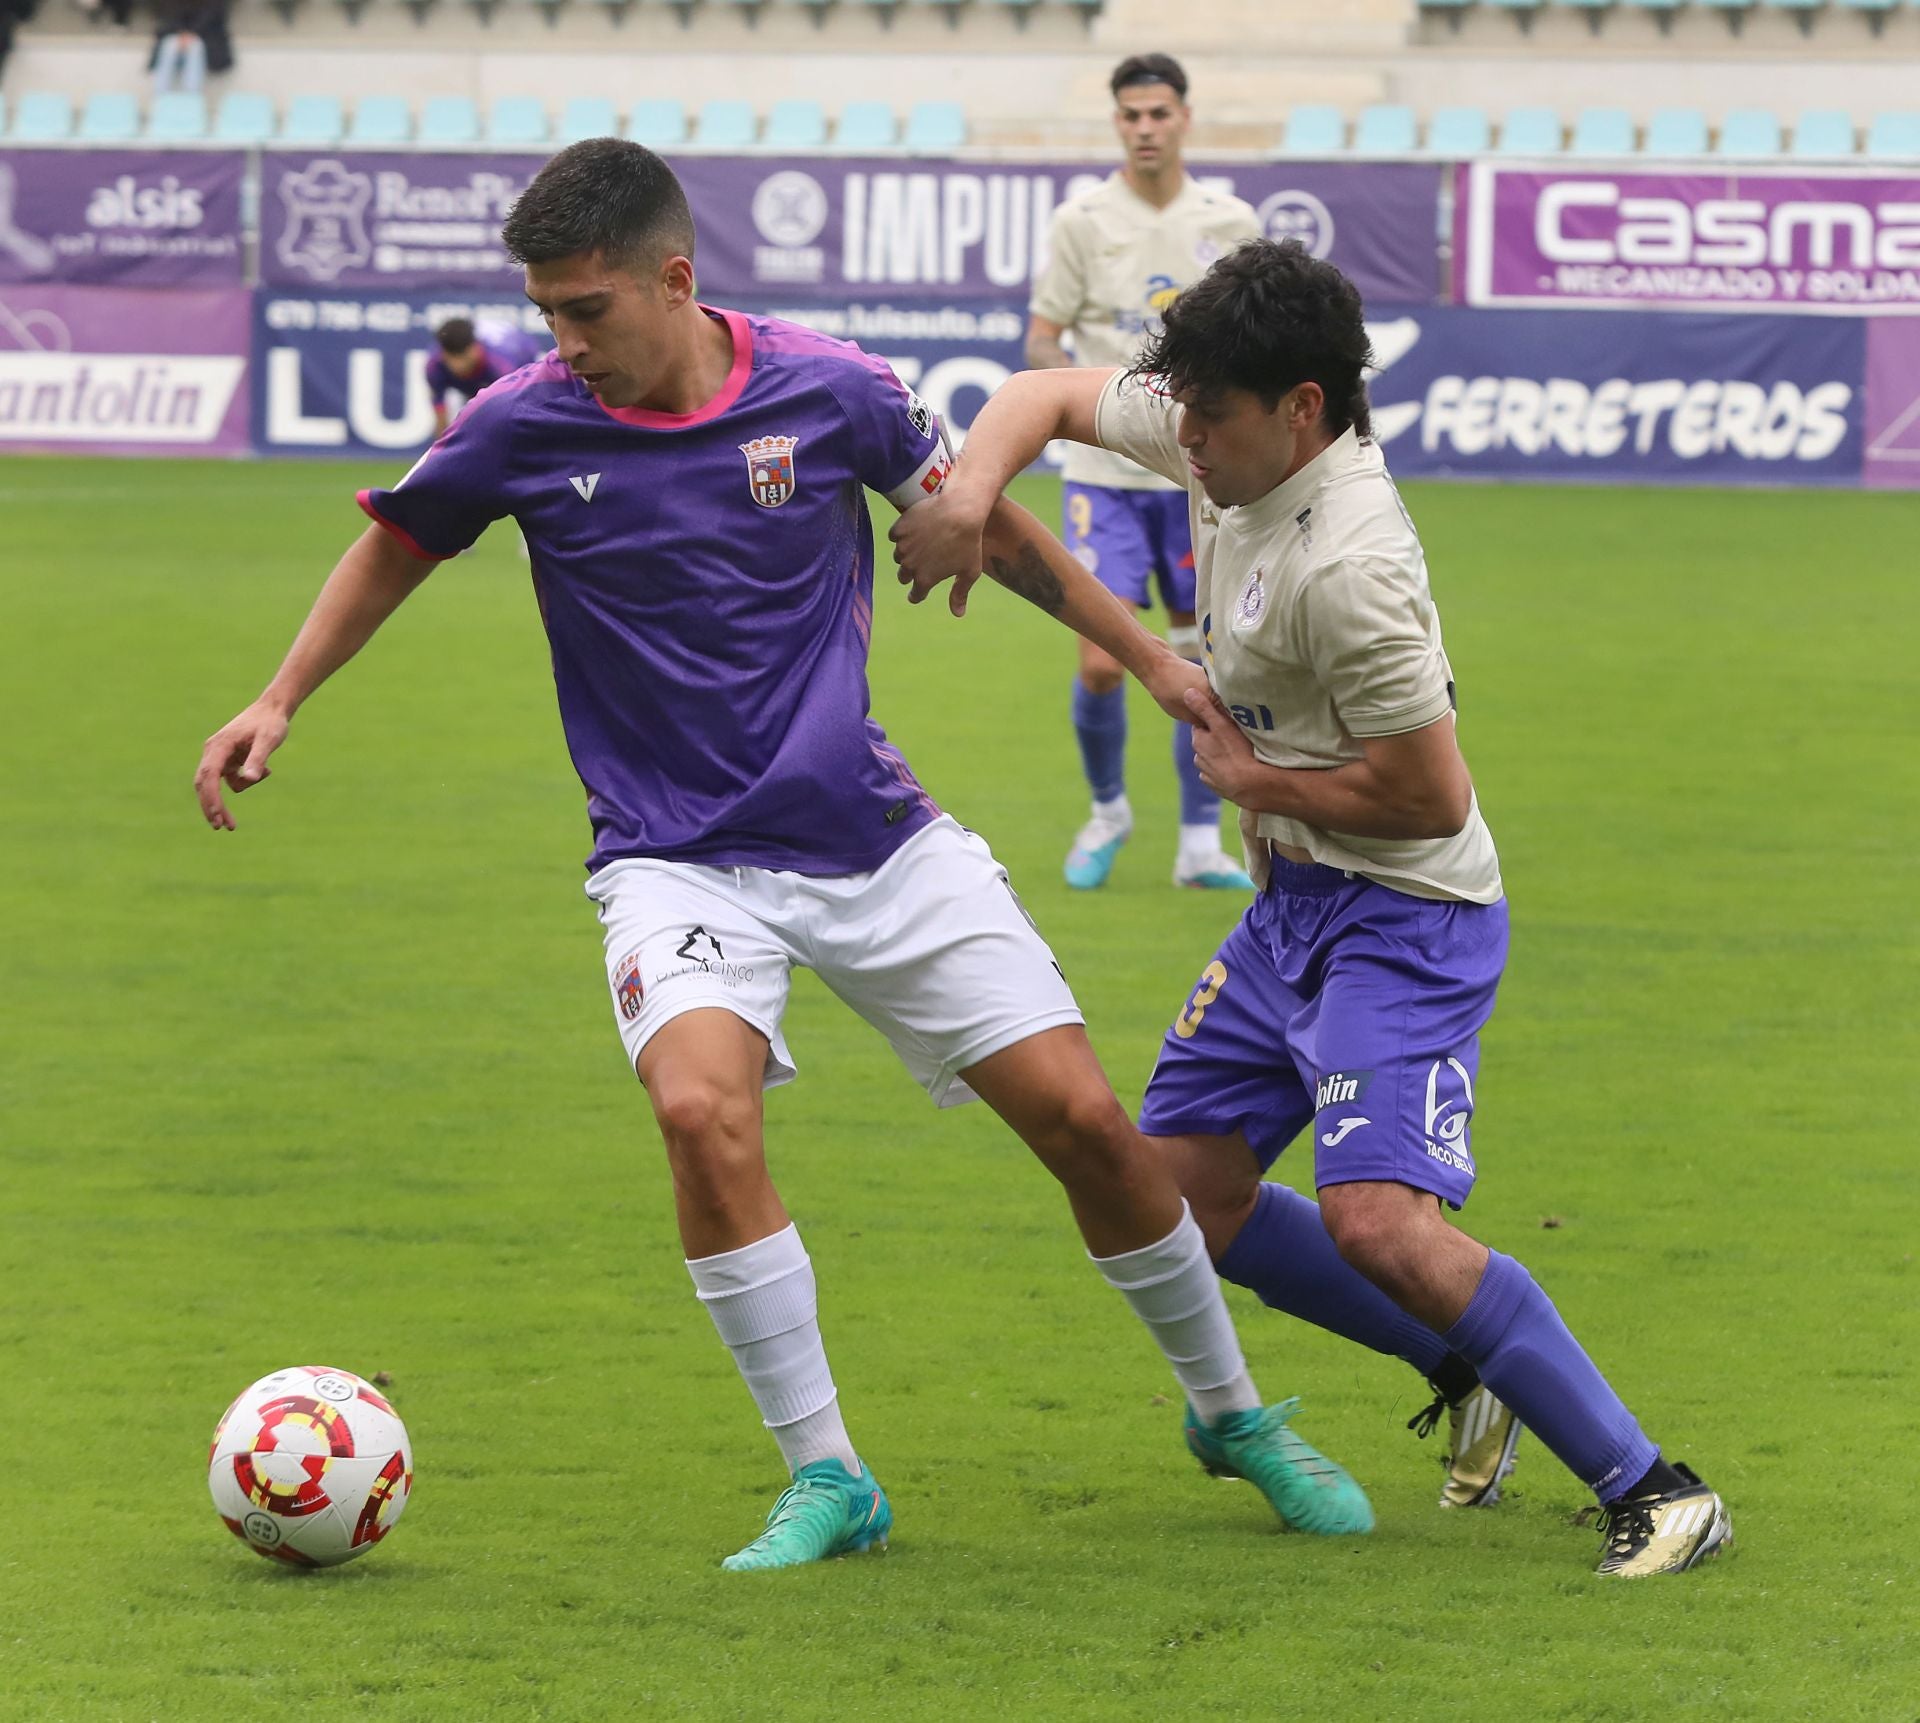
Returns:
(1100, 675)
(1088, 1138)
(1369, 1233)
(705, 1120)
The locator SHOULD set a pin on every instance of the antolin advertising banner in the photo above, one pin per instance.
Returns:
(128, 218)
(820, 228)
(111, 370)
(1760, 239)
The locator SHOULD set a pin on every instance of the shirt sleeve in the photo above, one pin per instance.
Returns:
(439, 380)
(1136, 417)
(1374, 644)
(454, 491)
(899, 450)
(1060, 291)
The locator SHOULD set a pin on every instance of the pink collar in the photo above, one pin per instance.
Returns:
(742, 334)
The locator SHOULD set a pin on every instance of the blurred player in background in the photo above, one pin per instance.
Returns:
(468, 357)
(1351, 997)
(692, 486)
(1119, 255)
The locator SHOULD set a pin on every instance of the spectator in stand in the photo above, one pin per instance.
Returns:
(192, 41)
(469, 359)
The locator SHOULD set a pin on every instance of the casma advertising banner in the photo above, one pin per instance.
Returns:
(108, 370)
(125, 218)
(1763, 240)
(819, 229)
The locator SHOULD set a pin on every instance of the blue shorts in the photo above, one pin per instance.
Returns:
(1125, 537)
(1342, 1003)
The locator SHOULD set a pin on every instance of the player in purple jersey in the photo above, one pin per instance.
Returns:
(1351, 997)
(467, 358)
(691, 483)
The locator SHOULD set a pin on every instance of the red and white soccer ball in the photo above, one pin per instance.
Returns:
(310, 1466)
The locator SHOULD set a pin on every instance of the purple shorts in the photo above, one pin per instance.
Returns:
(1124, 537)
(1347, 1005)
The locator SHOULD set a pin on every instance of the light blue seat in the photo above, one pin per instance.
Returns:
(795, 124)
(245, 117)
(1662, 10)
(866, 126)
(1734, 11)
(1386, 129)
(449, 120)
(588, 117)
(818, 9)
(1894, 137)
(726, 125)
(1602, 132)
(312, 120)
(1458, 132)
(1676, 132)
(381, 120)
(1315, 129)
(1749, 133)
(936, 126)
(1021, 10)
(658, 122)
(1802, 10)
(110, 117)
(523, 120)
(1875, 10)
(177, 116)
(1530, 132)
(43, 116)
(1823, 134)
(1523, 10)
(1594, 11)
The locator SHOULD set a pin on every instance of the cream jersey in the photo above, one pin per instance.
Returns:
(1319, 628)
(1115, 263)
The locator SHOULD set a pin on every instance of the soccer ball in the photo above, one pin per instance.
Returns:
(310, 1466)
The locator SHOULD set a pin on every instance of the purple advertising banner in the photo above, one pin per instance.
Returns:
(1754, 240)
(124, 218)
(819, 228)
(1892, 455)
(126, 371)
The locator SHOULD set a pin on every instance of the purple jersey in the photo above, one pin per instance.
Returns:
(706, 581)
(503, 350)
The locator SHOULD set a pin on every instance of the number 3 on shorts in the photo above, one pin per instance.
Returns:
(1212, 979)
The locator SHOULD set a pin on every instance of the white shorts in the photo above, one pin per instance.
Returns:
(932, 948)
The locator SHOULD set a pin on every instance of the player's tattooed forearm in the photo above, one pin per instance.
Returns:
(1026, 573)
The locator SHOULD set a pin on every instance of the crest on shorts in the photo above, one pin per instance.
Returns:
(628, 989)
(770, 477)
(1253, 601)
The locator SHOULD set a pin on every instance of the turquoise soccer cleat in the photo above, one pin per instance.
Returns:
(1094, 849)
(1306, 1489)
(1217, 872)
(826, 1511)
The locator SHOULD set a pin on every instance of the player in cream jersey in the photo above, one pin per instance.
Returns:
(1351, 997)
(1118, 255)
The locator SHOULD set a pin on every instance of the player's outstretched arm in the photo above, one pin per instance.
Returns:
(366, 587)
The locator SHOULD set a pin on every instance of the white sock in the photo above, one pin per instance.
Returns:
(1119, 811)
(1174, 1291)
(762, 1300)
(1200, 843)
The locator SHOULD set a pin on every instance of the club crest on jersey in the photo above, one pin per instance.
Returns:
(770, 477)
(1253, 601)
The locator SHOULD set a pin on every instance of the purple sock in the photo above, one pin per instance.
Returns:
(1199, 806)
(1100, 721)
(1511, 1333)
(1284, 1256)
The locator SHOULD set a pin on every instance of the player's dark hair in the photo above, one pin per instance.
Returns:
(1149, 69)
(1268, 317)
(455, 335)
(604, 195)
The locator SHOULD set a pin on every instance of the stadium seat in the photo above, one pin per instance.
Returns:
(381, 120)
(1748, 133)
(1451, 10)
(1894, 137)
(1823, 134)
(1315, 129)
(1458, 132)
(795, 124)
(1802, 10)
(935, 126)
(588, 117)
(1530, 132)
(816, 9)
(177, 116)
(1594, 11)
(1386, 129)
(43, 116)
(1734, 11)
(1676, 132)
(1020, 10)
(1875, 11)
(866, 126)
(245, 117)
(1524, 11)
(522, 120)
(110, 117)
(658, 122)
(449, 120)
(884, 10)
(1602, 132)
(312, 120)
(1662, 10)
(726, 125)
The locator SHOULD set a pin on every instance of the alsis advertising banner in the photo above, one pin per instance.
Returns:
(126, 218)
(1759, 240)
(817, 230)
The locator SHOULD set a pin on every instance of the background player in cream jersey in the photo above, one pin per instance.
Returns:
(1351, 997)
(1119, 255)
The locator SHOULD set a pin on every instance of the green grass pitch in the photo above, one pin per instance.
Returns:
(343, 1087)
